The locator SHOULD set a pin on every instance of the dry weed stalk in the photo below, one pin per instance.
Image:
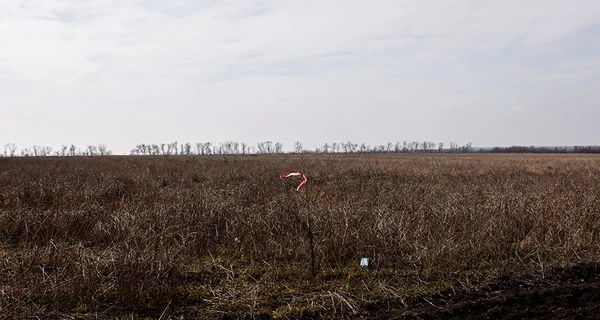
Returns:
(134, 234)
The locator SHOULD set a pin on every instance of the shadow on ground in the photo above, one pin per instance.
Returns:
(572, 293)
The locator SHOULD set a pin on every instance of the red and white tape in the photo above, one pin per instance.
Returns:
(295, 174)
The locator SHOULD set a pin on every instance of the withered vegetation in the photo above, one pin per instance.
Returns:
(193, 236)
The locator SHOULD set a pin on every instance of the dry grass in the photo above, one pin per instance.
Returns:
(215, 236)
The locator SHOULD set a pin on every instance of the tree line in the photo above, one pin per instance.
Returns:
(271, 147)
(533, 149)
(11, 150)
(208, 148)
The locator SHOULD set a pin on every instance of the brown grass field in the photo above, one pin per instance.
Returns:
(185, 237)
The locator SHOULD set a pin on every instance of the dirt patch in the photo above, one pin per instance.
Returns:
(572, 293)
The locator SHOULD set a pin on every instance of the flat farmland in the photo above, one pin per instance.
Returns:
(447, 235)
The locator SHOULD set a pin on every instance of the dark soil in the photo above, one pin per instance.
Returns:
(572, 293)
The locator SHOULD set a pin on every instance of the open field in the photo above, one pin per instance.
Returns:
(223, 237)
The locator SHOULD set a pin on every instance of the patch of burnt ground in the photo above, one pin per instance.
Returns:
(564, 293)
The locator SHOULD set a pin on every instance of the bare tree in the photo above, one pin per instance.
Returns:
(345, 147)
(363, 148)
(41, 151)
(353, 146)
(186, 148)
(467, 147)
(298, 147)
(172, 148)
(397, 147)
(269, 146)
(430, 146)
(103, 150)
(278, 147)
(91, 150)
(10, 149)
(207, 147)
(415, 146)
(388, 147)
(262, 148)
(453, 146)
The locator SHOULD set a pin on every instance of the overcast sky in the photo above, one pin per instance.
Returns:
(129, 72)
